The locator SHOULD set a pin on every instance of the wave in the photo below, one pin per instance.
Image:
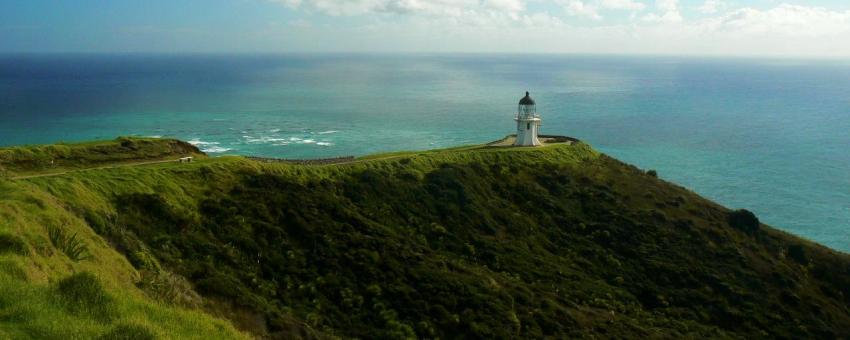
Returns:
(215, 149)
(325, 143)
(263, 139)
(327, 132)
(197, 142)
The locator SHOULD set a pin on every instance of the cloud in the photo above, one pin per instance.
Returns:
(591, 9)
(711, 6)
(630, 5)
(496, 26)
(783, 20)
(579, 8)
(408, 7)
(668, 12)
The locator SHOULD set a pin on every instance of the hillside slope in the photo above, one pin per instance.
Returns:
(58, 278)
(476, 242)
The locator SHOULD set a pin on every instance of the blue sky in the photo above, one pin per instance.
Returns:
(699, 27)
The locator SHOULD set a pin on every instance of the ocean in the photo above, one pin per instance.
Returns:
(769, 135)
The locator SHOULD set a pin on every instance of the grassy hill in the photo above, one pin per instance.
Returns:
(39, 159)
(476, 242)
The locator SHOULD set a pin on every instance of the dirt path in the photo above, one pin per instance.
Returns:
(112, 166)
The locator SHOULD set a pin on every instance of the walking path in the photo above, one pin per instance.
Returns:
(112, 166)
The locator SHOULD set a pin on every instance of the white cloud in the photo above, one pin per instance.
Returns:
(668, 12)
(667, 5)
(497, 26)
(579, 8)
(711, 6)
(421, 7)
(783, 20)
(512, 6)
(622, 5)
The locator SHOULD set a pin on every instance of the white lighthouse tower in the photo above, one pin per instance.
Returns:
(527, 122)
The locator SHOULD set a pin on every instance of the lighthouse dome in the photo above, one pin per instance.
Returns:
(526, 100)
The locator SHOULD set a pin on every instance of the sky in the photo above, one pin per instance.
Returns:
(815, 28)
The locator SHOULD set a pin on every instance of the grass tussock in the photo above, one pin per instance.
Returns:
(169, 288)
(129, 331)
(83, 294)
(11, 244)
(71, 245)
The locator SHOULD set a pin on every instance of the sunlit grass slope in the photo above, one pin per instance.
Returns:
(477, 242)
(60, 280)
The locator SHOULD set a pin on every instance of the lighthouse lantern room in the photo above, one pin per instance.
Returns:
(527, 122)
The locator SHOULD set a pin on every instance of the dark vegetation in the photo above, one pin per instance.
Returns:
(744, 220)
(558, 242)
(12, 244)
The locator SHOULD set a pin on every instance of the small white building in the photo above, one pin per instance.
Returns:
(527, 122)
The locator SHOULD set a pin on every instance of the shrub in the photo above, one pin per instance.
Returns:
(652, 173)
(169, 288)
(71, 245)
(744, 220)
(129, 332)
(798, 253)
(12, 244)
(83, 294)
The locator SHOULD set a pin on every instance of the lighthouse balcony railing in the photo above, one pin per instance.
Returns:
(526, 116)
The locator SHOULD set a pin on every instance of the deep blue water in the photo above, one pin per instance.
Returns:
(768, 135)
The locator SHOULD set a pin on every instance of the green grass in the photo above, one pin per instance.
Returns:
(27, 160)
(479, 242)
(49, 293)
(80, 307)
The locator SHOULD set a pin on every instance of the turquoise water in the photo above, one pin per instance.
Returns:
(767, 135)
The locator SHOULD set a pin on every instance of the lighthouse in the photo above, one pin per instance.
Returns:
(527, 122)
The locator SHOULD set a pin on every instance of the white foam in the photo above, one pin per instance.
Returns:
(215, 149)
(263, 139)
(309, 141)
(198, 142)
(324, 143)
(274, 130)
(328, 132)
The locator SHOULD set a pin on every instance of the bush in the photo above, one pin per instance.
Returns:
(744, 220)
(797, 253)
(83, 294)
(129, 332)
(652, 173)
(71, 245)
(169, 288)
(12, 244)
